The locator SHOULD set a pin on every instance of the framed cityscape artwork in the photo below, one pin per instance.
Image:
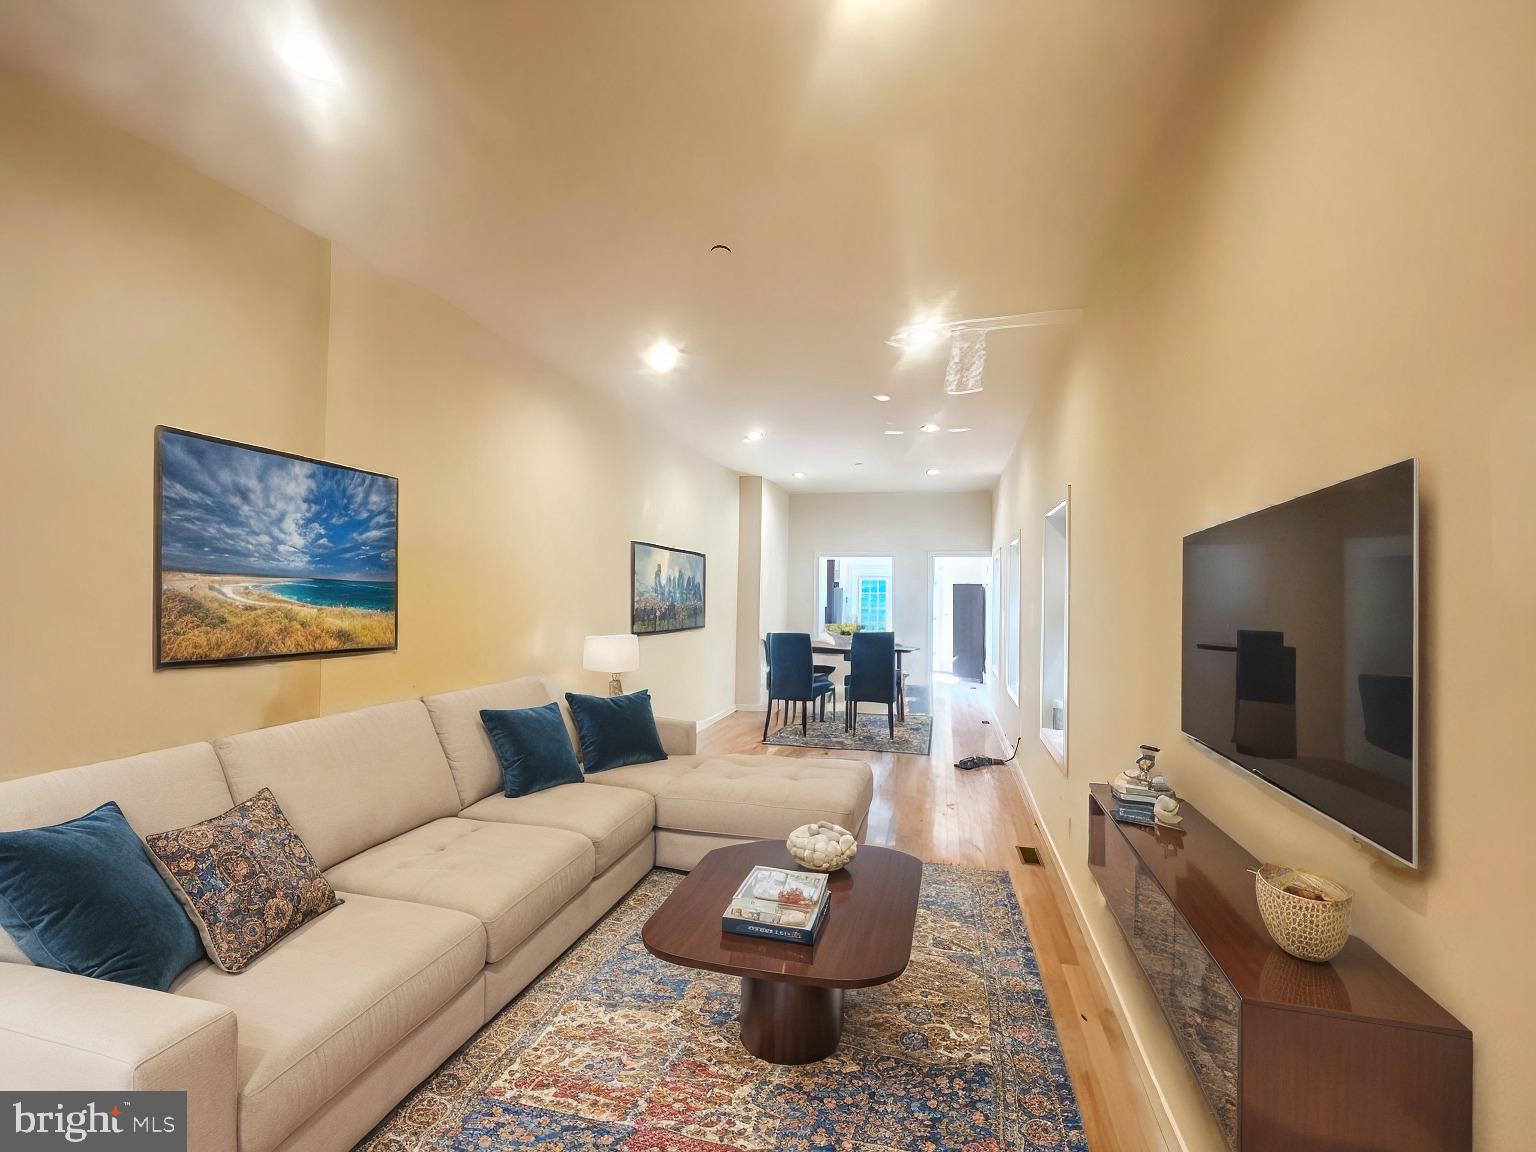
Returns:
(666, 589)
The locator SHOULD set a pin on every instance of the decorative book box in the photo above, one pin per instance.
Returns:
(1348, 1055)
(779, 904)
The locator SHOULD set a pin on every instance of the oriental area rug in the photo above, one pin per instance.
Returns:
(873, 734)
(614, 1049)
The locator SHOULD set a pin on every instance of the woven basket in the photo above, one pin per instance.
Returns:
(1307, 929)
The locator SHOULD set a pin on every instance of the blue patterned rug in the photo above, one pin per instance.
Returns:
(873, 734)
(614, 1049)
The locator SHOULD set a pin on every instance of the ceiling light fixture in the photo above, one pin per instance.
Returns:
(929, 428)
(882, 397)
(799, 475)
(968, 341)
(305, 51)
(959, 429)
(753, 436)
(893, 432)
(662, 356)
(920, 335)
(967, 361)
(933, 472)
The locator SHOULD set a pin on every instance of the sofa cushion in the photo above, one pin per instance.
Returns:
(532, 748)
(765, 797)
(83, 897)
(511, 878)
(349, 781)
(244, 877)
(332, 998)
(615, 730)
(652, 777)
(155, 790)
(456, 718)
(613, 819)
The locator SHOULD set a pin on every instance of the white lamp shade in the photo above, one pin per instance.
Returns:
(611, 653)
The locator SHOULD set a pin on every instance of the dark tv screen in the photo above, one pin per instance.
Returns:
(1299, 650)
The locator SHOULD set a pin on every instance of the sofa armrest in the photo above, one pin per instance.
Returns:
(678, 737)
(74, 1033)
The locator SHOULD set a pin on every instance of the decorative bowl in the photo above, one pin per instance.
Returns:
(821, 847)
(1314, 926)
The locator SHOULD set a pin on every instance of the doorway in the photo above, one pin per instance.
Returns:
(958, 629)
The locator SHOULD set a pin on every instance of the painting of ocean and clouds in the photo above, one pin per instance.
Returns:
(666, 588)
(264, 555)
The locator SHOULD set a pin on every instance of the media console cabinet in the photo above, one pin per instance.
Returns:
(1347, 1056)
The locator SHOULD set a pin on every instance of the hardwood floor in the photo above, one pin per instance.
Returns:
(925, 806)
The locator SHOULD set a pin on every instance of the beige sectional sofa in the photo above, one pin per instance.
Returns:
(456, 898)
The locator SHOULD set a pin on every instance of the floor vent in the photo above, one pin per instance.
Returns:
(1029, 855)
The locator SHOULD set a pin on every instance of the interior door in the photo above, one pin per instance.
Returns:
(969, 634)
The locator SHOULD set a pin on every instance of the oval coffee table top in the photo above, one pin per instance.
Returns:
(867, 938)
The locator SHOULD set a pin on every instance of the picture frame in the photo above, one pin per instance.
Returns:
(263, 555)
(667, 589)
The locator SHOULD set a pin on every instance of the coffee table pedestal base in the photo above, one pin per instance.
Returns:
(785, 1023)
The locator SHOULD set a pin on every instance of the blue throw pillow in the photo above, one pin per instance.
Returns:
(83, 897)
(616, 730)
(533, 748)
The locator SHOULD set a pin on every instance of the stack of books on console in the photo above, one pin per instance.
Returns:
(1136, 796)
(780, 905)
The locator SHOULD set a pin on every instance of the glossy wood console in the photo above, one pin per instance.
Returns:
(1346, 1056)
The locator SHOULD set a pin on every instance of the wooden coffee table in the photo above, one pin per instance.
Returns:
(792, 994)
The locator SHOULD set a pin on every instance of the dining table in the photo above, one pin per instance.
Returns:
(827, 648)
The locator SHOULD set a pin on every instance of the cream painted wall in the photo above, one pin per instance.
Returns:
(762, 571)
(133, 292)
(519, 495)
(1333, 267)
(907, 526)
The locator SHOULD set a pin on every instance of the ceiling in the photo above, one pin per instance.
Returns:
(561, 168)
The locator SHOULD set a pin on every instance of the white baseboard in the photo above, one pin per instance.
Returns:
(717, 717)
(1170, 1127)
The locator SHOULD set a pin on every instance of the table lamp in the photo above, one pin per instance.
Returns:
(613, 655)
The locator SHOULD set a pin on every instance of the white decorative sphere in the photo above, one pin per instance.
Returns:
(821, 847)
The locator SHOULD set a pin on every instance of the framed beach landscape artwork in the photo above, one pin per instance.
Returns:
(264, 555)
(666, 589)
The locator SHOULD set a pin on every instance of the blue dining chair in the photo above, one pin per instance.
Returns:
(791, 677)
(820, 671)
(873, 678)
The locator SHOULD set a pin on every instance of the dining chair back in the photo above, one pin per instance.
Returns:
(790, 674)
(873, 677)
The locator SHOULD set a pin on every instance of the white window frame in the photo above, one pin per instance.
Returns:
(1056, 741)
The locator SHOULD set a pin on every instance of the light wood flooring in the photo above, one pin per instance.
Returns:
(925, 806)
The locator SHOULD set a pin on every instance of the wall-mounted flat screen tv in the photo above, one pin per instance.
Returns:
(1300, 651)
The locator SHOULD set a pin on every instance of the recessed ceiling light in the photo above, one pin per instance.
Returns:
(753, 436)
(882, 397)
(959, 429)
(929, 428)
(799, 475)
(305, 52)
(661, 356)
(933, 471)
(920, 335)
(893, 432)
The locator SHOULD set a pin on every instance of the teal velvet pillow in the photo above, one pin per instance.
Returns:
(533, 748)
(616, 730)
(83, 897)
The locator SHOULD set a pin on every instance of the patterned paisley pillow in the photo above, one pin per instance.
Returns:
(245, 877)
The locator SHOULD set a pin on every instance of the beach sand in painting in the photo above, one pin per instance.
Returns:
(214, 616)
